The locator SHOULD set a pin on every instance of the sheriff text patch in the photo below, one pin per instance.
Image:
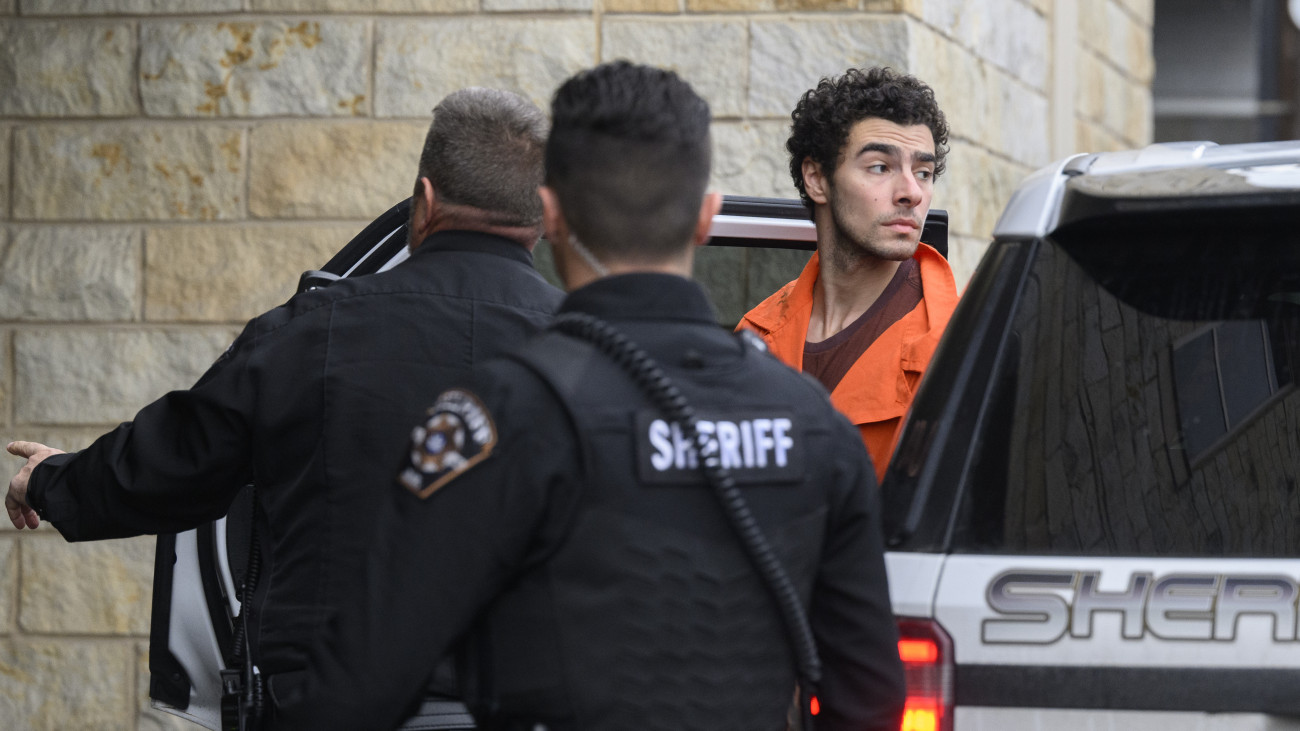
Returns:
(758, 446)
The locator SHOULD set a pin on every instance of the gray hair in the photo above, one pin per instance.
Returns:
(484, 149)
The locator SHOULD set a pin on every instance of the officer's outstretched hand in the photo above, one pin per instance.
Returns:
(20, 513)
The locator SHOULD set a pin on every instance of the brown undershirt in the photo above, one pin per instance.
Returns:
(830, 359)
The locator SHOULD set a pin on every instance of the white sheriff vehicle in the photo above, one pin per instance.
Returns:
(1092, 512)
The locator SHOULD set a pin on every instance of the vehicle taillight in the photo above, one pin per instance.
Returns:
(926, 651)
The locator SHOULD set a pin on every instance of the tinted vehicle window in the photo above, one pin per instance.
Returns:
(1144, 403)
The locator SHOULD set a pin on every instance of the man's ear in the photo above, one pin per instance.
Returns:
(424, 202)
(557, 229)
(709, 208)
(815, 183)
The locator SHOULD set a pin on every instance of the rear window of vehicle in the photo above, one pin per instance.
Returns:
(1146, 402)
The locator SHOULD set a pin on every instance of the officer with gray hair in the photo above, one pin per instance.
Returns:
(314, 401)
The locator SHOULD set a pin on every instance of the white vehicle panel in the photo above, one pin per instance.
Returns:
(773, 229)
(969, 718)
(1223, 613)
(1035, 204)
(913, 578)
(193, 643)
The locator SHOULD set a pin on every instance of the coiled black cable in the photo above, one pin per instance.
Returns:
(246, 588)
(251, 706)
(668, 398)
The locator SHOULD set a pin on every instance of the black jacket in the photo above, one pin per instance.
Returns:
(314, 402)
(589, 569)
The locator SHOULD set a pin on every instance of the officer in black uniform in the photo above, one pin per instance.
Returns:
(315, 393)
(553, 523)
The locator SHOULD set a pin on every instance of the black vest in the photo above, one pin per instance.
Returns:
(649, 615)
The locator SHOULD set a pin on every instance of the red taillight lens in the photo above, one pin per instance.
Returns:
(923, 652)
(926, 651)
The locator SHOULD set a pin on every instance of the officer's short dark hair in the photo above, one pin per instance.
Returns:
(820, 123)
(628, 158)
(484, 149)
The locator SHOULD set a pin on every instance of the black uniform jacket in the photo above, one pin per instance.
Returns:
(515, 548)
(314, 403)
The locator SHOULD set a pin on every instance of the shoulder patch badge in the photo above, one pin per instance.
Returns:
(458, 434)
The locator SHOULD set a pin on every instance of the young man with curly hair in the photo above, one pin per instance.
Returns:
(865, 315)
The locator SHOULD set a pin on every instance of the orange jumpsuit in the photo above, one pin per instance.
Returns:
(877, 390)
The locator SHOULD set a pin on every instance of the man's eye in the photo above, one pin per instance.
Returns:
(879, 167)
(924, 174)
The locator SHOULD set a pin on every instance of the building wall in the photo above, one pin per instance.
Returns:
(168, 167)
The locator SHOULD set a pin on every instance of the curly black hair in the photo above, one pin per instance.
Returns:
(820, 123)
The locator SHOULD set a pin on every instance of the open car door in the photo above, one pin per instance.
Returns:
(198, 574)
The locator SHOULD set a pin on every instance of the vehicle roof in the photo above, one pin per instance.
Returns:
(1173, 171)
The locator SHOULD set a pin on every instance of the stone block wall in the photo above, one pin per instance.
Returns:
(168, 167)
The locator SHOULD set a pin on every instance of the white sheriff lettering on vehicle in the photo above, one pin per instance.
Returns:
(1199, 607)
